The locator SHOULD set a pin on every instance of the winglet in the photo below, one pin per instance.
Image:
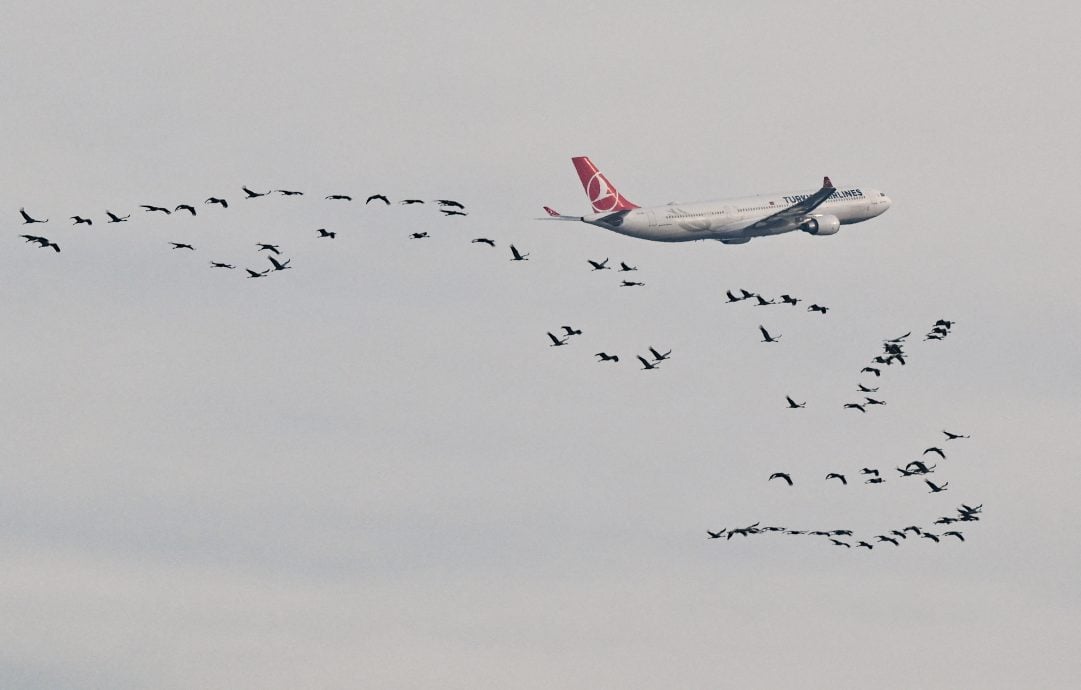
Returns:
(552, 212)
(826, 183)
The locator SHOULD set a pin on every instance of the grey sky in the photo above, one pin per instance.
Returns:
(372, 471)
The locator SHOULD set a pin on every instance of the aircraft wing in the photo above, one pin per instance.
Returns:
(556, 215)
(798, 210)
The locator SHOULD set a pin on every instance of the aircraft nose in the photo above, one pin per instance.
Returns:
(884, 202)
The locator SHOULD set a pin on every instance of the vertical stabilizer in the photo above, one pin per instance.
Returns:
(601, 193)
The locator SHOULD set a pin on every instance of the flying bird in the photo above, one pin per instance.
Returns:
(855, 406)
(323, 232)
(556, 342)
(451, 212)
(631, 283)
(871, 370)
(781, 475)
(339, 197)
(951, 437)
(658, 357)
(27, 219)
(715, 535)
(766, 337)
(789, 299)
(864, 389)
(279, 265)
(841, 543)
(378, 197)
(42, 242)
(80, 220)
(113, 218)
(882, 537)
(409, 202)
(181, 245)
(218, 264)
(288, 192)
(646, 364)
(256, 274)
(484, 240)
(156, 208)
(816, 307)
(214, 200)
(623, 267)
(875, 480)
(919, 468)
(251, 194)
(733, 298)
(792, 404)
(935, 488)
(928, 535)
(598, 265)
(865, 544)
(605, 357)
(517, 256)
(868, 470)
(834, 475)
(872, 401)
(270, 247)
(762, 301)
(449, 202)
(186, 207)
(935, 449)
(571, 331)
(418, 235)
(953, 533)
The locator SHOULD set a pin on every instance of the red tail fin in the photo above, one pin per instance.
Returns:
(599, 190)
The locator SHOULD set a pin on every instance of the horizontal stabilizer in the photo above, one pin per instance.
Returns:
(556, 215)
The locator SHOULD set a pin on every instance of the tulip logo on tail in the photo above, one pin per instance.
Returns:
(602, 195)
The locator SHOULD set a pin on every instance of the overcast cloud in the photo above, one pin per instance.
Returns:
(372, 471)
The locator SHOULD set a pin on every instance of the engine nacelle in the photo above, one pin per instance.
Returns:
(821, 225)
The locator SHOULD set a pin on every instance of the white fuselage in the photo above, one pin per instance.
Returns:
(731, 220)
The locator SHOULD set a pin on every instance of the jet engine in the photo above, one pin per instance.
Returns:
(821, 225)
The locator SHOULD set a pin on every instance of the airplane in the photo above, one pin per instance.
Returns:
(731, 221)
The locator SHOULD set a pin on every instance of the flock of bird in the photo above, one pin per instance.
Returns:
(448, 207)
(653, 362)
(895, 536)
(892, 350)
(623, 268)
